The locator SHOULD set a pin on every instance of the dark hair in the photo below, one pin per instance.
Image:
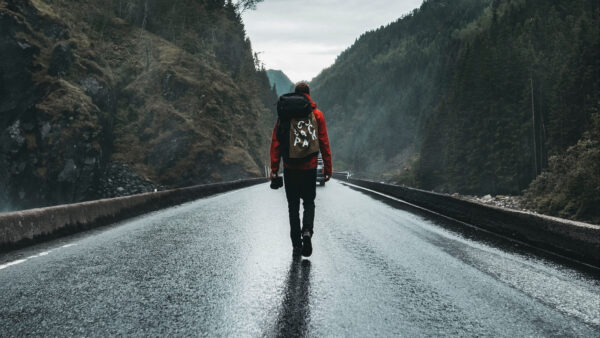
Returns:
(302, 88)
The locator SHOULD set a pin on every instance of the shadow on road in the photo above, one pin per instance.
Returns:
(294, 314)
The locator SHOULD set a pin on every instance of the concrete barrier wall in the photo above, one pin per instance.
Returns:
(576, 240)
(21, 228)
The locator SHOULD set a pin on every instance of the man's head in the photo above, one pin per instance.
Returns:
(302, 88)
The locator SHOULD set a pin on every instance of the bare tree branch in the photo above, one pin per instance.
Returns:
(244, 5)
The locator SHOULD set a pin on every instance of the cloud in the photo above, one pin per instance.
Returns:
(304, 37)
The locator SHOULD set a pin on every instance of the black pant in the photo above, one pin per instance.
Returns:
(300, 184)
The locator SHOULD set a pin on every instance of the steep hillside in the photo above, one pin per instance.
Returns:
(570, 187)
(282, 83)
(167, 92)
(471, 96)
(379, 92)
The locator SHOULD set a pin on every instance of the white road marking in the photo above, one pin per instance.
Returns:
(39, 255)
(514, 240)
(19, 261)
(3, 266)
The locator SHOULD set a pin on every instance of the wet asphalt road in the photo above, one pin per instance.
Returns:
(222, 266)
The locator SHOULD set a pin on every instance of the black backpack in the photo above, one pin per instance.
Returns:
(297, 130)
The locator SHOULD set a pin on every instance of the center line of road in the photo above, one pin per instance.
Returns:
(19, 261)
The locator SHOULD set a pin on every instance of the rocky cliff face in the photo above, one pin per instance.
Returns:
(53, 129)
(86, 87)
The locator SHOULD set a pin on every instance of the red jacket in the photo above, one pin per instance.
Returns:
(323, 145)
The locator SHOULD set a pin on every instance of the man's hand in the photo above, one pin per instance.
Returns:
(327, 177)
(272, 175)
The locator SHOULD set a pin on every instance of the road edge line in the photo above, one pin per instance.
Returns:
(511, 239)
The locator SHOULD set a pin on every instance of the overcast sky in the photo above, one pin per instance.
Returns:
(302, 37)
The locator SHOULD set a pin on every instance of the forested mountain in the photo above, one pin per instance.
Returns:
(474, 96)
(379, 92)
(168, 92)
(280, 81)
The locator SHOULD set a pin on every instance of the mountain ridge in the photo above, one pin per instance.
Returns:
(280, 81)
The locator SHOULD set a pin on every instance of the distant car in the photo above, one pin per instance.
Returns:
(320, 171)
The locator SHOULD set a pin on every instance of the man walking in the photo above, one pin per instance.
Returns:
(298, 137)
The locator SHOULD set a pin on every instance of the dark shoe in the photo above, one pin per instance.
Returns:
(306, 245)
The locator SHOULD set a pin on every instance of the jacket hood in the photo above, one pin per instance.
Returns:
(312, 103)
